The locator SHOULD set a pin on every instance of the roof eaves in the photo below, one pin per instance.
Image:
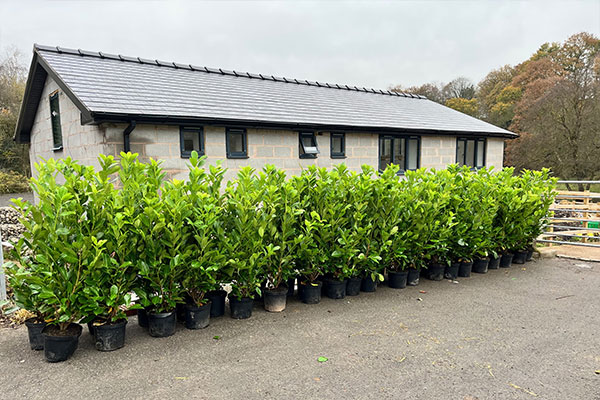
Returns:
(31, 99)
(103, 117)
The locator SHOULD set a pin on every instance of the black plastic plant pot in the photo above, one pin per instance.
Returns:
(242, 308)
(162, 324)
(180, 311)
(435, 272)
(336, 289)
(413, 276)
(494, 263)
(197, 317)
(142, 315)
(480, 265)
(464, 271)
(529, 255)
(353, 286)
(60, 345)
(110, 336)
(506, 260)
(451, 271)
(310, 293)
(217, 300)
(91, 328)
(291, 283)
(275, 299)
(368, 285)
(34, 331)
(397, 279)
(520, 256)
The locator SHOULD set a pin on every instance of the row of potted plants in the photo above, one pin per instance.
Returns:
(95, 239)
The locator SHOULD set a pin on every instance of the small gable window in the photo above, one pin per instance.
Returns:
(236, 143)
(191, 139)
(338, 145)
(471, 152)
(308, 145)
(55, 120)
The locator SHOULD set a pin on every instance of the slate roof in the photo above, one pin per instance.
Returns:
(108, 87)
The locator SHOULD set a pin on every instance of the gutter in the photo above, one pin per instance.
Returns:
(126, 132)
(106, 117)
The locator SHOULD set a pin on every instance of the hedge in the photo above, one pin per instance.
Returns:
(99, 236)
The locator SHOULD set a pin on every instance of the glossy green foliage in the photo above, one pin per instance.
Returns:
(95, 237)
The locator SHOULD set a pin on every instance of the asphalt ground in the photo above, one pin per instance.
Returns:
(528, 332)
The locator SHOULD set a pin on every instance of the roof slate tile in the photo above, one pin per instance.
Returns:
(107, 83)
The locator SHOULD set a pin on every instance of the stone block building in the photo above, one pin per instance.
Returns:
(81, 104)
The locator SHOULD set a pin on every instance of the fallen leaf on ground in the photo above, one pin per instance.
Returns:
(217, 337)
(564, 297)
(322, 359)
(524, 390)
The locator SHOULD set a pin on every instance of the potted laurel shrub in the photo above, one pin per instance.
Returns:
(331, 209)
(537, 192)
(26, 294)
(63, 251)
(281, 207)
(432, 203)
(310, 259)
(346, 248)
(460, 243)
(107, 288)
(485, 208)
(205, 223)
(544, 187)
(399, 207)
(507, 221)
(21, 278)
(163, 252)
(244, 241)
(371, 222)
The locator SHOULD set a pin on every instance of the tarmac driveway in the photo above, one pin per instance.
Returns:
(529, 333)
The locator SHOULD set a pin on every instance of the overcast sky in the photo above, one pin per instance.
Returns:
(375, 44)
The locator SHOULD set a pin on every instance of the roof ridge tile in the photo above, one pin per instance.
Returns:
(249, 75)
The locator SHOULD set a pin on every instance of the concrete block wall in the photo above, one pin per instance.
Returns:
(438, 151)
(265, 146)
(495, 153)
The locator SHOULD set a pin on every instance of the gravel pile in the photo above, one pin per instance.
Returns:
(10, 227)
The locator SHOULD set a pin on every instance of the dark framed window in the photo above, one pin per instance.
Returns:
(338, 145)
(236, 143)
(404, 151)
(191, 139)
(471, 152)
(55, 120)
(308, 145)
